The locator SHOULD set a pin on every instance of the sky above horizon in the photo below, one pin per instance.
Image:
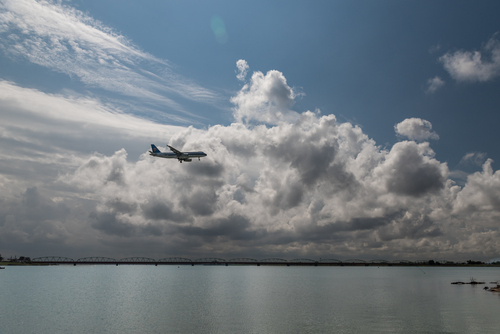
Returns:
(341, 129)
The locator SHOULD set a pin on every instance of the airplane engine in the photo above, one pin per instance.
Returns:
(188, 160)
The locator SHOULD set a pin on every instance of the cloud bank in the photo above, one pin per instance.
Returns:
(275, 183)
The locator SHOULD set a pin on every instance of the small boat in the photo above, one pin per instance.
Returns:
(2, 267)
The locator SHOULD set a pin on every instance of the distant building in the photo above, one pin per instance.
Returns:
(22, 259)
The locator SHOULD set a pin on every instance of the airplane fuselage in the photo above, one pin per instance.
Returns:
(176, 154)
(183, 156)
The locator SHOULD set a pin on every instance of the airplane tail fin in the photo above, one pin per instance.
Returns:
(155, 149)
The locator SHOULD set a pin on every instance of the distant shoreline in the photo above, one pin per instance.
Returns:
(221, 263)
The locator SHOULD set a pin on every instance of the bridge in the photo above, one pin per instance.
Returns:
(56, 260)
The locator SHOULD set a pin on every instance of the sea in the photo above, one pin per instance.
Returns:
(246, 299)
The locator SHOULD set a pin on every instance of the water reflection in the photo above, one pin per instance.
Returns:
(246, 299)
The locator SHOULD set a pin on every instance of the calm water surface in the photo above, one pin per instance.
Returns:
(246, 299)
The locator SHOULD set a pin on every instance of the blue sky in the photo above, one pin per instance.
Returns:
(388, 105)
(366, 62)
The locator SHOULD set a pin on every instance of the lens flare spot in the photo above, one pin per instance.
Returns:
(219, 29)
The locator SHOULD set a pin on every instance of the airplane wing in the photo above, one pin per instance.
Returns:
(177, 152)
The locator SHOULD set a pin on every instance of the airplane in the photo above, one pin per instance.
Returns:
(182, 156)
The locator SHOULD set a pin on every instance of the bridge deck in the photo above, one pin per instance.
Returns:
(219, 263)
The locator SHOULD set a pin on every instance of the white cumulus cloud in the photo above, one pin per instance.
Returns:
(473, 66)
(434, 84)
(416, 129)
(267, 98)
(242, 66)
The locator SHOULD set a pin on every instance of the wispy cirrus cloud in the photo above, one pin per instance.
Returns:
(68, 41)
(50, 129)
(474, 158)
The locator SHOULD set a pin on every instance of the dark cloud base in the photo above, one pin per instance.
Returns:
(343, 199)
